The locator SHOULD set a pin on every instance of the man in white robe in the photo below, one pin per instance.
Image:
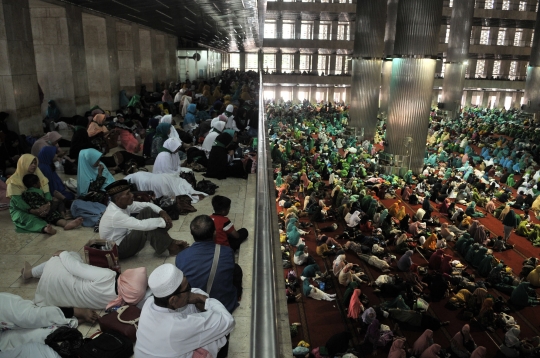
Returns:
(180, 320)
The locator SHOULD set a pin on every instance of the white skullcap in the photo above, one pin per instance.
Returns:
(164, 280)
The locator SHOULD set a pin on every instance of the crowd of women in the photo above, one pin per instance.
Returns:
(211, 138)
(327, 176)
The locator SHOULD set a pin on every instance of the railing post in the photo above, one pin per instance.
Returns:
(264, 324)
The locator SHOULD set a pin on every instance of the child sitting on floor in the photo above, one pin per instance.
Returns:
(35, 198)
(226, 234)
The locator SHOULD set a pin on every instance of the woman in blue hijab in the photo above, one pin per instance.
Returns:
(92, 174)
(46, 165)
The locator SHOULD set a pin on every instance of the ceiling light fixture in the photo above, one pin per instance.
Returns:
(164, 14)
(129, 7)
(168, 23)
(162, 4)
(194, 14)
(189, 20)
(137, 17)
(216, 6)
(244, 5)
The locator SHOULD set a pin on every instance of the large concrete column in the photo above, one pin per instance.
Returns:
(366, 65)
(101, 60)
(279, 62)
(19, 94)
(313, 94)
(332, 64)
(60, 56)
(532, 85)
(389, 37)
(126, 58)
(158, 58)
(296, 62)
(171, 44)
(145, 50)
(315, 62)
(458, 50)
(243, 61)
(417, 35)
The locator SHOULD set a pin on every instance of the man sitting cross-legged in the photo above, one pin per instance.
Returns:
(129, 233)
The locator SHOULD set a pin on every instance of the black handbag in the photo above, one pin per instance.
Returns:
(107, 345)
(65, 341)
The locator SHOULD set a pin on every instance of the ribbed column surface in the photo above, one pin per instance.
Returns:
(417, 28)
(385, 86)
(535, 50)
(390, 30)
(460, 30)
(369, 32)
(366, 75)
(532, 89)
(410, 100)
(454, 80)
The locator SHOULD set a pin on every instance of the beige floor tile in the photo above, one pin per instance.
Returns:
(12, 241)
(11, 265)
(25, 293)
(240, 337)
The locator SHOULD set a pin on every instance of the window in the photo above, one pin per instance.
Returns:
(321, 64)
(532, 37)
(447, 35)
(343, 31)
(319, 96)
(443, 68)
(325, 1)
(506, 5)
(478, 101)
(522, 6)
(269, 62)
(270, 29)
(252, 60)
(302, 95)
(451, 3)
(337, 96)
(305, 63)
(341, 64)
(489, 4)
(480, 68)
(234, 59)
(501, 36)
(288, 30)
(492, 101)
(513, 70)
(507, 102)
(306, 30)
(496, 68)
(324, 30)
(269, 94)
(287, 63)
(286, 95)
(484, 36)
(518, 37)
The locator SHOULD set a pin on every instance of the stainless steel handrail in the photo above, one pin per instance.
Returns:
(264, 324)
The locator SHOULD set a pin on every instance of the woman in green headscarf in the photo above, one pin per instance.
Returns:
(471, 211)
(523, 230)
(161, 135)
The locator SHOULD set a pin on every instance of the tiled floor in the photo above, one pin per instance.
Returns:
(15, 248)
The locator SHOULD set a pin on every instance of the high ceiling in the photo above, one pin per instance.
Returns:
(228, 25)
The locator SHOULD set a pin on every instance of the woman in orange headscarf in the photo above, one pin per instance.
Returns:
(394, 208)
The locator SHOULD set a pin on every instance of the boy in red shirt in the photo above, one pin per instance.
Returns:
(226, 234)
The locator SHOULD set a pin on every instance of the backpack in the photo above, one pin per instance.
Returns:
(107, 345)
(65, 341)
(206, 186)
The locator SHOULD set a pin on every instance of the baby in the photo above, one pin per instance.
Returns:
(35, 198)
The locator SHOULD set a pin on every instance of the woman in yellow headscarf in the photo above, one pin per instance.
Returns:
(394, 208)
(25, 218)
(431, 243)
(401, 213)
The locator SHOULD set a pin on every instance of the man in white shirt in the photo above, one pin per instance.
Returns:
(130, 233)
(180, 320)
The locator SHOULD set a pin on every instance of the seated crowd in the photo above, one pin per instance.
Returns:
(415, 241)
(185, 309)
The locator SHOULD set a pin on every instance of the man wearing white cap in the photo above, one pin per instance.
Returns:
(231, 123)
(180, 319)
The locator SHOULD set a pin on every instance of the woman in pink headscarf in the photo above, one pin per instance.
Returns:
(446, 266)
(423, 342)
(435, 259)
(462, 344)
(355, 306)
(432, 351)
(131, 285)
(479, 352)
(397, 351)
(49, 139)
